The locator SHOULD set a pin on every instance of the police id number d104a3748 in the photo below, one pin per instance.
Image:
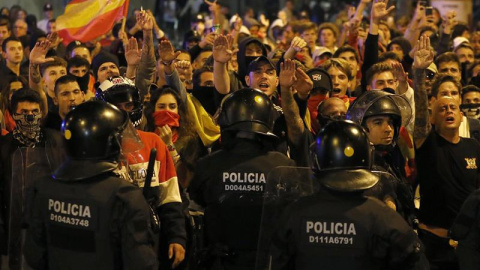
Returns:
(71, 213)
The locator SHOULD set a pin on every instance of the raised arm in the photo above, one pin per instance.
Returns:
(413, 28)
(147, 64)
(222, 53)
(133, 56)
(291, 79)
(36, 58)
(295, 46)
(378, 12)
(423, 58)
(167, 54)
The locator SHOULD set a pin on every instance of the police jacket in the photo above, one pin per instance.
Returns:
(101, 222)
(466, 230)
(230, 185)
(332, 230)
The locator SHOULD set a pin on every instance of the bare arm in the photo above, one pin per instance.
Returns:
(222, 53)
(423, 58)
(37, 57)
(288, 80)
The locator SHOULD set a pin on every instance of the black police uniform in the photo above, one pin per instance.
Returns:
(101, 222)
(466, 230)
(83, 216)
(338, 227)
(230, 185)
(339, 231)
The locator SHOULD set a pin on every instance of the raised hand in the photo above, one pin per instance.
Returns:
(287, 74)
(222, 48)
(379, 10)
(39, 51)
(212, 6)
(166, 52)
(298, 43)
(449, 21)
(54, 39)
(207, 40)
(184, 69)
(303, 84)
(398, 72)
(145, 20)
(424, 54)
(264, 20)
(132, 53)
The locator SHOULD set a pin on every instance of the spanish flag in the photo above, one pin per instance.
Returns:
(85, 20)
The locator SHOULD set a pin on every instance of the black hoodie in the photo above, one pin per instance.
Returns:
(244, 61)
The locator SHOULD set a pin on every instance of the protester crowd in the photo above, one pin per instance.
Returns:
(412, 83)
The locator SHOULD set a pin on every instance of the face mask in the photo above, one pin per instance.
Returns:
(83, 82)
(27, 129)
(249, 59)
(169, 118)
(471, 110)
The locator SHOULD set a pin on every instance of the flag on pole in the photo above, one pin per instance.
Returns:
(85, 20)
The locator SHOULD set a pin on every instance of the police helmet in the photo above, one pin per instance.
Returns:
(247, 110)
(377, 103)
(92, 138)
(117, 90)
(342, 157)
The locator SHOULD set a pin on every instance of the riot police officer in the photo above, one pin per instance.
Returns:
(230, 183)
(337, 227)
(84, 217)
(167, 201)
(466, 230)
(384, 116)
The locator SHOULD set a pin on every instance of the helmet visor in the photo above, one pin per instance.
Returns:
(357, 110)
(130, 141)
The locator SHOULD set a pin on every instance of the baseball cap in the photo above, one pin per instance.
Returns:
(198, 18)
(75, 44)
(458, 41)
(321, 80)
(258, 62)
(321, 51)
(47, 7)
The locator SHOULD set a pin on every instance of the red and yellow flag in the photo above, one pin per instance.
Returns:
(85, 20)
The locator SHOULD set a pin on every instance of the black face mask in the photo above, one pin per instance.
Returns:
(471, 110)
(248, 60)
(83, 81)
(206, 96)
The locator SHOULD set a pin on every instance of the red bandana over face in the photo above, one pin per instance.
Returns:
(169, 118)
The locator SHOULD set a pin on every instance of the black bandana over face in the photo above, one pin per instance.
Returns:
(27, 129)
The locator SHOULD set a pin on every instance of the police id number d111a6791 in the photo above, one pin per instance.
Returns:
(337, 240)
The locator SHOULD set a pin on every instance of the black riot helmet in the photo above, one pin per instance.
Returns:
(342, 157)
(92, 135)
(378, 102)
(119, 90)
(247, 110)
